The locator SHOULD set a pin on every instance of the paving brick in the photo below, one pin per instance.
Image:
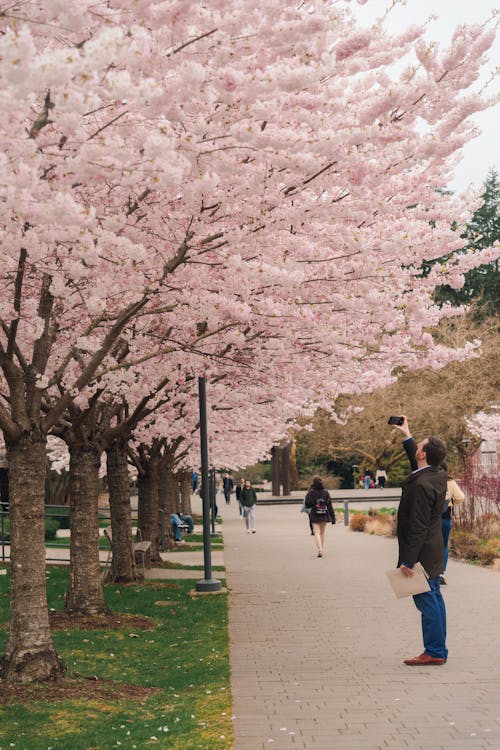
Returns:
(317, 645)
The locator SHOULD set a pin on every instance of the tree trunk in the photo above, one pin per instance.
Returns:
(123, 568)
(172, 491)
(285, 469)
(294, 474)
(85, 594)
(185, 482)
(147, 521)
(163, 505)
(275, 471)
(176, 478)
(29, 654)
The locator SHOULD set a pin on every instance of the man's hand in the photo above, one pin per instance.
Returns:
(408, 572)
(404, 428)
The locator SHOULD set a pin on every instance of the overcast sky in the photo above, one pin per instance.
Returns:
(483, 152)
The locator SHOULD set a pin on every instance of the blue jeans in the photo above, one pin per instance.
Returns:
(431, 606)
(445, 530)
(176, 520)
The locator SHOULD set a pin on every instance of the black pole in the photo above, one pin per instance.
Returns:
(208, 584)
(213, 498)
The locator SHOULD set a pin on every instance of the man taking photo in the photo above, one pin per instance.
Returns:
(420, 538)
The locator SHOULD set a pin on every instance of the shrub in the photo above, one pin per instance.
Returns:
(358, 521)
(489, 551)
(469, 546)
(381, 525)
(51, 526)
(464, 544)
(6, 529)
(59, 514)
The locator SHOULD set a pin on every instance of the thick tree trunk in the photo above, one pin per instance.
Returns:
(285, 469)
(123, 568)
(85, 594)
(163, 506)
(147, 521)
(29, 654)
(185, 482)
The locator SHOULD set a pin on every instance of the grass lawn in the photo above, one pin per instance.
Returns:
(170, 685)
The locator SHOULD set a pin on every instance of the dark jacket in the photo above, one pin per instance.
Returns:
(419, 516)
(248, 497)
(310, 502)
(227, 484)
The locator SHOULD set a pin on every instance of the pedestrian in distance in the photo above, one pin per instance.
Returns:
(366, 480)
(381, 477)
(420, 538)
(454, 497)
(319, 501)
(248, 498)
(227, 487)
(239, 487)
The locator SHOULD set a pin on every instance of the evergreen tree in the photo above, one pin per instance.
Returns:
(482, 284)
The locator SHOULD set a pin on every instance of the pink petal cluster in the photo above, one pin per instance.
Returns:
(245, 192)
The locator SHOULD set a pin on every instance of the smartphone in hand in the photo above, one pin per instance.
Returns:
(396, 420)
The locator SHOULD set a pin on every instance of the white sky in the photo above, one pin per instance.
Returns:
(482, 152)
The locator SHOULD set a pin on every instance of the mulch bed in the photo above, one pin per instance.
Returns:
(63, 621)
(73, 688)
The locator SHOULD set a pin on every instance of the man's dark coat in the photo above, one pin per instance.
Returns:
(419, 516)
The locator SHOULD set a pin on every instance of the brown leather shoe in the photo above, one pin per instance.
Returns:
(424, 660)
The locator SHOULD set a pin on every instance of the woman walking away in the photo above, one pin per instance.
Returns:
(320, 503)
(248, 498)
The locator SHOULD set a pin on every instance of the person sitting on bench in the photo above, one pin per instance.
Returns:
(181, 523)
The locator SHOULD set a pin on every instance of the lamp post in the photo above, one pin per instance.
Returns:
(208, 583)
(213, 500)
(354, 468)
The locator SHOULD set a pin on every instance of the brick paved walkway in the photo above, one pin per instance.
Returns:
(317, 645)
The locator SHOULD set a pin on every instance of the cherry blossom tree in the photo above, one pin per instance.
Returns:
(255, 176)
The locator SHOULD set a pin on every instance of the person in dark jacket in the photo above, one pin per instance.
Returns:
(420, 538)
(248, 498)
(227, 487)
(320, 503)
(239, 488)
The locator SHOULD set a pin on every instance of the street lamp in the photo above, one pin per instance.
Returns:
(208, 583)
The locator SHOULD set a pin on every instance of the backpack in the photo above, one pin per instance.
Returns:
(320, 506)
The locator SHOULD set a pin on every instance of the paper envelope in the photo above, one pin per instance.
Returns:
(408, 585)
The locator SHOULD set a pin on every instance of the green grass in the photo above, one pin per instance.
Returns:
(186, 658)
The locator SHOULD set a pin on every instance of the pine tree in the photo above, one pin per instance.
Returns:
(482, 284)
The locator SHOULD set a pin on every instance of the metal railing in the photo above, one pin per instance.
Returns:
(341, 497)
(51, 513)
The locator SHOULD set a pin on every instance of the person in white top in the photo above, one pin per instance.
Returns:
(381, 477)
